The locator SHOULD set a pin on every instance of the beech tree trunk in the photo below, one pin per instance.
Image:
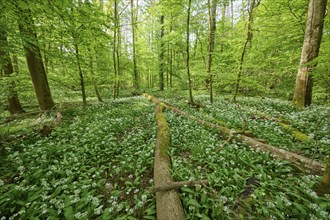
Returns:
(135, 72)
(34, 60)
(212, 7)
(115, 53)
(310, 51)
(191, 100)
(324, 186)
(161, 54)
(168, 203)
(14, 105)
(81, 75)
(91, 65)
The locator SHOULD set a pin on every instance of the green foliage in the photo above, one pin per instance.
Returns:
(96, 165)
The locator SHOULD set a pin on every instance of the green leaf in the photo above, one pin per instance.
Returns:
(301, 208)
(23, 5)
(68, 213)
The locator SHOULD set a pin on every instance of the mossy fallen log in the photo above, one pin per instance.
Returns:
(301, 162)
(298, 135)
(295, 132)
(178, 185)
(168, 203)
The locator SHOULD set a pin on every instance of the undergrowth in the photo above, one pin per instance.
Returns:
(98, 164)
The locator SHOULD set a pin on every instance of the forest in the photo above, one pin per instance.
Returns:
(164, 109)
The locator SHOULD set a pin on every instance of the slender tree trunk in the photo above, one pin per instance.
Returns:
(232, 13)
(34, 60)
(248, 40)
(212, 7)
(191, 100)
(81, 76)
(161, 55)
(91, 65)
(14, 105)
(171, 55)
(310, 51)
(135, 72)
(114, 50)
(171, 67)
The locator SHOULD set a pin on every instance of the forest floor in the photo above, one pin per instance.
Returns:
(98, 164)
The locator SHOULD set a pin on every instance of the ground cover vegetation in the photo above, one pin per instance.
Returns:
(79, 138)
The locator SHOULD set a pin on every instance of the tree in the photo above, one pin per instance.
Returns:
(33, 57)
(324, 185)
(115, 50)
(191, 100)
(212, 7)
(161, 54)
(133, 24)
(310, 51)
(247, 43)
(14, 105)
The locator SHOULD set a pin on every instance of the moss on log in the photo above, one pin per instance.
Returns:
(297, 134)
(299, 161)
(168, 203)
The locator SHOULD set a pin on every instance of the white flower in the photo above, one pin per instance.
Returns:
(95, 201)
(1, 184)
(80, 215)
(98, 210)
(144, 198)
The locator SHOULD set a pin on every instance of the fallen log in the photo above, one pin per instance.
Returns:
(299, 161)
(178, 185)
(168, 203)
(298, 135)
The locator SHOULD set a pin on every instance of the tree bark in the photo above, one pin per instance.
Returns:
(191, 100)
(14, 105)
(178, 185)
(115, 51)
(34, 60)
(135, 72)
(81, 75)
(97, 93)
(212, 7)
(310, 51)
(161, 54)
(324, 186)
(298, 161)
(168, 203)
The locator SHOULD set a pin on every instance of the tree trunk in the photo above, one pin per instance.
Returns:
(212, 7)
(171, 56)
(97, 93)
(34, 60)
(161, 54)
(168, 203)
(114, 50)
(191, 100)
(135, 72)
(310, 51)
(81, 76)
(324, 186)
(248, 40)
(14, 105)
